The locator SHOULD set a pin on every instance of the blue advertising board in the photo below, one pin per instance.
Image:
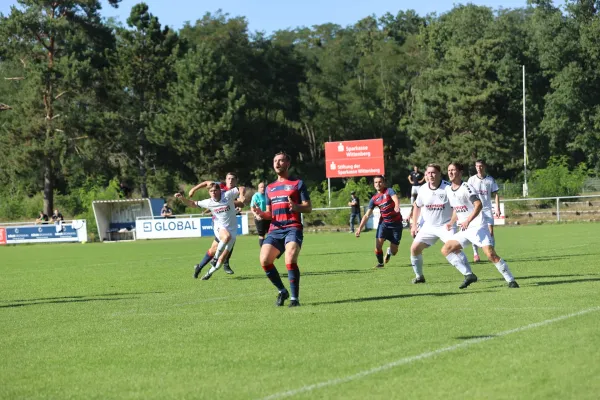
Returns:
(43, 233)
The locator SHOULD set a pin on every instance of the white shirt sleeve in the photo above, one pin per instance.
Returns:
(203, 203)
(232, 194)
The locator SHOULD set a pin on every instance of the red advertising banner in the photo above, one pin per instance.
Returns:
(350, 158)
(2, 236)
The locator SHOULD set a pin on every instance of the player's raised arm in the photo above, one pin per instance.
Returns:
(242, 196)
(188, 202)
(259, 214)
(363, 222)
(199, 186)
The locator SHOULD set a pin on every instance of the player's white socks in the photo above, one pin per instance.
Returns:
(475, 250)
(220, 249)
(460, 262)
(214, 268)
(502, 267)
(417, 264)
(389, 251)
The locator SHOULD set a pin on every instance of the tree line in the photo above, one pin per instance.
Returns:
(85, 101)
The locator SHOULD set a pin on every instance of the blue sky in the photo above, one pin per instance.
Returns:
(271, 15)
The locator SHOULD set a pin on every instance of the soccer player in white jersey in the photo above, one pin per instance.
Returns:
(486, 187)
(432, 204)
(222, 206)
(472, 228)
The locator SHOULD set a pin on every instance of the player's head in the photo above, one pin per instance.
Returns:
(231, 180)
(379, 183)
(214, 190)
(415, 168)
(434, 174)
(455, 171)
(261, 187)
(281, 163)
(480, 167)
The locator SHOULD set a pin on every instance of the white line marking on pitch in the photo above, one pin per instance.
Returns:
(408, 360)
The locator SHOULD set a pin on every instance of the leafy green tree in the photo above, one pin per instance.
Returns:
(143, 64)
(56, 51)
(557, 179)
(199, 121)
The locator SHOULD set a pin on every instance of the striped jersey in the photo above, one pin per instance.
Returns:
(277, 198)
(386, 205)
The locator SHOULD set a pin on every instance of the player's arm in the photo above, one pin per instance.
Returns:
(242, 196)
(410, 179)
(187, 202)
(259, 214)
(497, 201)
(478, 206)
(199, 186)
(303, 207)
(414, 224)
(396, 202)
(422, 180)
(452, 221)
(363, 222)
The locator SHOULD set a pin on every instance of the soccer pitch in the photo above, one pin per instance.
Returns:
(128, 321)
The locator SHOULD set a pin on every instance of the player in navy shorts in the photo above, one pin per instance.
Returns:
(390, 222)
(287, 198)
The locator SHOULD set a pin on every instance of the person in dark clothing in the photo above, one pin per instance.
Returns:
(354, 204)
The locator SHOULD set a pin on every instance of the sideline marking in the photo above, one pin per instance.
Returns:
(422, 356)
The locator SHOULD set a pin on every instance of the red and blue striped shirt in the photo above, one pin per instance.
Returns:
(386, 205)
(277, 198)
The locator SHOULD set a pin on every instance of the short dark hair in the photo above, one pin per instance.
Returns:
(480, 161)
(284, 154)
(232, 174)
(214, 185)
(379, 176)
(458, 166)
(436, 166)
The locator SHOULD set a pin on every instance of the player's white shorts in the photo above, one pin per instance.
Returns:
(414, 190)
(487, 217)
(477, 235)
(232, 232)
(430, 234)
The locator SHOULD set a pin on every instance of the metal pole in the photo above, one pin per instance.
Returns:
(329, 190)
(557, 209)
(525, 188)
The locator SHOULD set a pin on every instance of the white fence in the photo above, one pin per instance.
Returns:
(557, 200)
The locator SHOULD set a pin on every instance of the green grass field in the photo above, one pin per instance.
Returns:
(126, 320)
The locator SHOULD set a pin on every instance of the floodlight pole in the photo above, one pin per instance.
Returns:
(329, 190)
(525, 188)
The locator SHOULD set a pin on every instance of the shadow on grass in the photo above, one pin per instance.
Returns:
(314, 273)
(550, 276)
(65, 301)
(475, 337)
(567, 281)
(78, 297)
(397, 296)
(550, 258)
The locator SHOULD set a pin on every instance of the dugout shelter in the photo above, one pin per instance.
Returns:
(115, 219)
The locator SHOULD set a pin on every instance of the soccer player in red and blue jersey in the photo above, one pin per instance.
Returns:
(390, 222)
(287, 199)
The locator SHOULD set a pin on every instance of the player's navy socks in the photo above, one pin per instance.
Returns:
(379, 255)
(205, 260)
(294, 278)
(274, 277)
